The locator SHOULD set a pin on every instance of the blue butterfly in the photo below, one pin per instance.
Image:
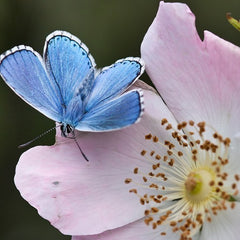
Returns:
(65, 86)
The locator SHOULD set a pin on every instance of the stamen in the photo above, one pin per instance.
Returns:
(187, 173)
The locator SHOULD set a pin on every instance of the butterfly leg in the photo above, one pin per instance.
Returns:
(67, 129)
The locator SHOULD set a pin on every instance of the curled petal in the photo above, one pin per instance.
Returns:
(198, 80)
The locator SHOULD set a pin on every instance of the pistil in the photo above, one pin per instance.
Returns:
(198, 185)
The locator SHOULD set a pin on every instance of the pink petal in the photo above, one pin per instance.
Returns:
(199, 80)
(80, 197)
(223, 226)
(233, 168)
(134, 231)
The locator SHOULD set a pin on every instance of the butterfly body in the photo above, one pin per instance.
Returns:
(65, 86)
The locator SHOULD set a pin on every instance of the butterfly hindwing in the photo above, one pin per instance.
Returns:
(114, 80)
(23, 70)
(114, 114)
(69, 64)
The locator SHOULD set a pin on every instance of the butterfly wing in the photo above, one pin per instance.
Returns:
(23, 70)
(69, 63)
(114, 114)
(114, 80)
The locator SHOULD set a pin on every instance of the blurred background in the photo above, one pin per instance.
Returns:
(111, 30)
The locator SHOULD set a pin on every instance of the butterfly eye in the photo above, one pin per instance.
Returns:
(69, 129)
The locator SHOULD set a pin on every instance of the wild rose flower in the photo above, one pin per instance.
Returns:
(182, 180)
(190, 188)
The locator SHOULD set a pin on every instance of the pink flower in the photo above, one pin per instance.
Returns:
(182, 178)
(190, 189)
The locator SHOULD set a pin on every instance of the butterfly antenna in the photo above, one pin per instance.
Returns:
(36, 138)
(74, 137)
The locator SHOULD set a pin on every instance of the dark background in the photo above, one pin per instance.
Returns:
(112, 30)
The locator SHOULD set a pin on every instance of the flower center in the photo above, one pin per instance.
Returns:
(197, 185)
(187, 181)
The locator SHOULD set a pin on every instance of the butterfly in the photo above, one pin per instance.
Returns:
(65, 85)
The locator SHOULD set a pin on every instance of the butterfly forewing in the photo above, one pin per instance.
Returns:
(23, 70)
(69, 63)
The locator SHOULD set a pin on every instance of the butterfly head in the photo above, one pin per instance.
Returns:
(66, 129)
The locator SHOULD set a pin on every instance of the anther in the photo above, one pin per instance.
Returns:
(142, 201)
(146, 212)
(144, 179)
(174, 134)
(215, 135)
(237, 177)
(133, 190)
(135, 171)
(128, 180)
(191, 122)
(198, 141)
(143, 152)
(194, 151)
(167, 143)
(168, 127)
(153, 186)
(185, 137)
(154, 225)
(148, 220)
(149, 136)
(154, 209)
(211, 183)
(169, 152)
(173, 223)
(184, 124)
(227, 142)
(209, 219)
(220, 184)
(152, 153)
(180, 153)
(164, 121)
(171, 162)
(179, 126)
(233, 204)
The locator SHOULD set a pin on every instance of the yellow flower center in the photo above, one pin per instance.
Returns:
(197, 185)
